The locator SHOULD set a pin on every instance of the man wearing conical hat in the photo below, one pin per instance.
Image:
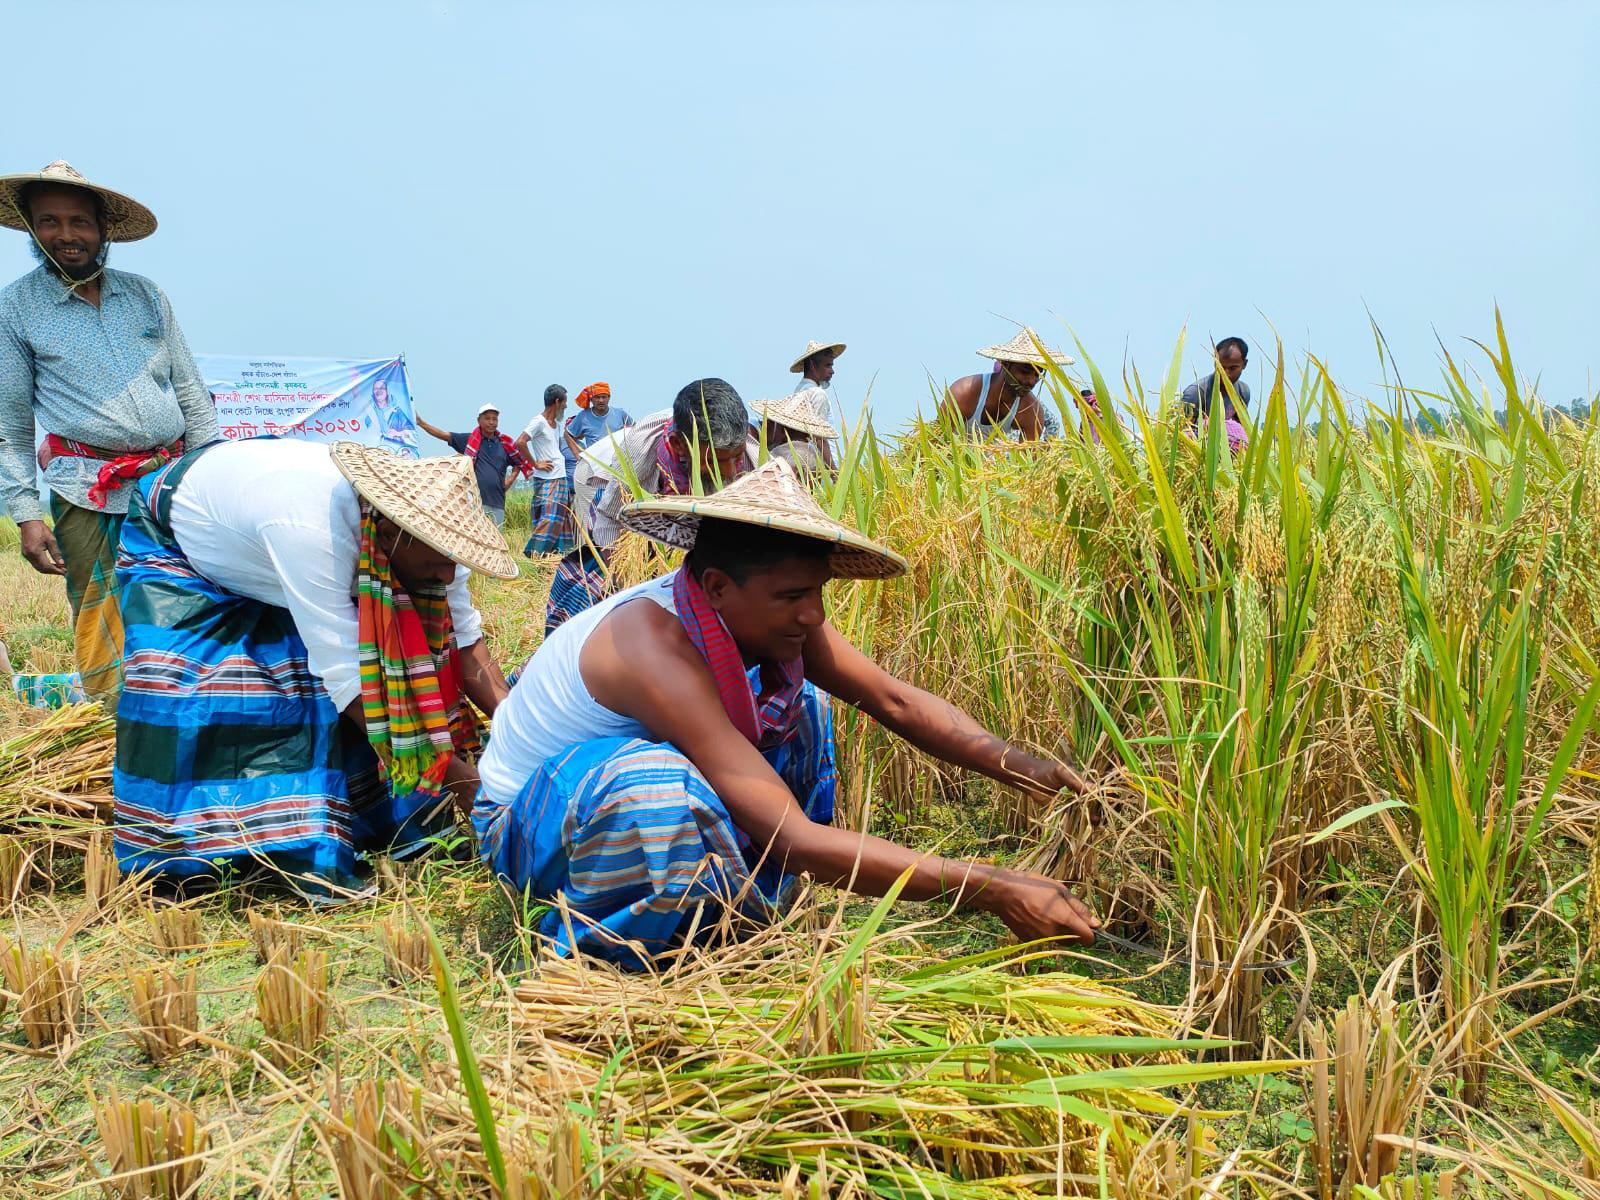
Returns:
(94, 360)
(815, 364)
(799, 429)
(1002, 401)
(699, 444)
(666, 758)
(300, 651)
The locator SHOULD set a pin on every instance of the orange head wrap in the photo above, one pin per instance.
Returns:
(592, 392)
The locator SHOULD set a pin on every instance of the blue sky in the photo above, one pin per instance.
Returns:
(515, 194)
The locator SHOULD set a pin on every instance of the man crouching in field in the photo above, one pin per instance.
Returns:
(299, 642)
(673, 745)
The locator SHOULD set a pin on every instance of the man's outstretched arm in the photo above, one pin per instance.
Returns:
(434, 430)
(640, 663)
(931, 724)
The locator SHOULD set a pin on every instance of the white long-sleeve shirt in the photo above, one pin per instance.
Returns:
(275, 521)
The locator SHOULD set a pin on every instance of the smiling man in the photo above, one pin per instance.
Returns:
(300, 647)
(94, 359)
(671, 749)
(1003, 401)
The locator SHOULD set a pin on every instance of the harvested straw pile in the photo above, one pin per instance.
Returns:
(793, 1058)
(55, 775)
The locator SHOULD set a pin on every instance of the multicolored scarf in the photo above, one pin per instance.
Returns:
(514, 456)
(766, 720)
(674, 474)
(410, 680)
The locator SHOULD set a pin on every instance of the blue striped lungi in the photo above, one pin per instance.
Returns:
(230, 754)
(631, 835)
(580, 582)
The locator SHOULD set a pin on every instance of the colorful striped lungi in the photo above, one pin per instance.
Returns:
(230, 754)
(550, 512)
(580, 582)
(88, 542)
(631, 835)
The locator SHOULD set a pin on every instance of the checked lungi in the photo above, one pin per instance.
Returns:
(631, 835)
(88, 543)
(580, 582)
(230, 754)
(550, 512)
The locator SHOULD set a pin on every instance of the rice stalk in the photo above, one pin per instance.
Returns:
(155, 1147)
(47, 992)
(173, 927)
(16, 869)
(292, 1002)
(271, 934)
(166, 1005)
(101, 875)
(375, 1146)
(405, 950)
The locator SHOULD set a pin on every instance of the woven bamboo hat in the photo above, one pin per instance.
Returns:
(805, 410)
(815, 348)
(773, 497)
(1024, 348)
(126, 219)
(433, 499)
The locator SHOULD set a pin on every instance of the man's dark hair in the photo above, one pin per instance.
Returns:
(1233, 341)
(740, 550)
(28, 191)
(553, 393)
(1086, 393)
(710, 412)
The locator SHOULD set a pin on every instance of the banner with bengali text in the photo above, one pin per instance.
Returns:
(319, 399)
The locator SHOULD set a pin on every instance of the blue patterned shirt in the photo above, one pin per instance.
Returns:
(119, 377)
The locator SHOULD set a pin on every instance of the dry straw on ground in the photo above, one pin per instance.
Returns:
(45, 987)
(272, 933)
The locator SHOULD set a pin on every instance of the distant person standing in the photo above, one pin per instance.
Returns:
(93, 359)
(1231, 355)
(596, 418)
(1003, 401)
(495, 459)
(550, 512)
(815, 365)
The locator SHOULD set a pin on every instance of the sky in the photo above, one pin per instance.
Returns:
(517, 194)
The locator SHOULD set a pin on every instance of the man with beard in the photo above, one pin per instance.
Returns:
(1002, 401)
(94, 359)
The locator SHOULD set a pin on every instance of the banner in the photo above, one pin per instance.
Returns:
(319, 399)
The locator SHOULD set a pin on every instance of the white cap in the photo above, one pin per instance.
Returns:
(494, 408)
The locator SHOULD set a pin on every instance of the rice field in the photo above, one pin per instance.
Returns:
(1337, 700)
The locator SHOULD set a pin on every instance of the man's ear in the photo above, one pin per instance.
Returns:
(715, 582)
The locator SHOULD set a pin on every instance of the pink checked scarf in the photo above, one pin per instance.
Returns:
(513, 455)
(766, 720)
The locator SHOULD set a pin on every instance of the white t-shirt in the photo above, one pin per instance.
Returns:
(544, 444)
(275, 521)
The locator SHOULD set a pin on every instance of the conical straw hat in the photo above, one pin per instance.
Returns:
(771, 496)
(801, 411)
(126, 219)
(435, 500)
(1024, 348)
(815, 348)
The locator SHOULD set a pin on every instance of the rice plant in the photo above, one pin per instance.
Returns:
(48, 995)
(271, 933)
(292, 1002)
(101, 874)
(155, 1148)
(173, 927)
(405, 950)
(166, 1004)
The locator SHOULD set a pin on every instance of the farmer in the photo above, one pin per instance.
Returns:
(1230, 354)
(297, 615)
(94, 358)
(797, 428)
(596, 418)
(1003, 400)
(495, 458)
(815, 365)
(550, 510)
(635, 772)
(705, 432)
